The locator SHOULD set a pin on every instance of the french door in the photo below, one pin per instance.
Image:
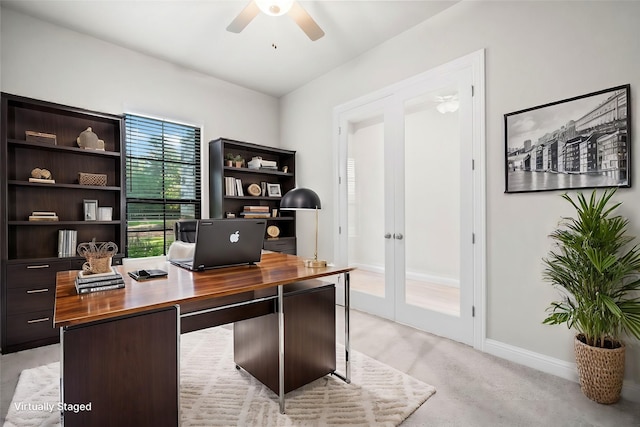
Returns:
(406, 202)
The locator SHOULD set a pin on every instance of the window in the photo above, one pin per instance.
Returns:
(163, 182)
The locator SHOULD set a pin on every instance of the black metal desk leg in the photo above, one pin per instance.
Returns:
(347, 345)
(281, 347)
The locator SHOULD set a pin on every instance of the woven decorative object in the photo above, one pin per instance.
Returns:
(98, 256)
(601, 371)
(92, 178)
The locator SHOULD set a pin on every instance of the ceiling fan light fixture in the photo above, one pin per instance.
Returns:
(274, 7)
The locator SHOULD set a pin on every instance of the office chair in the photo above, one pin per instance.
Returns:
(185, 231)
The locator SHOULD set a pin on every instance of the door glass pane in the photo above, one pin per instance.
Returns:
(432, 201)
(365, 204)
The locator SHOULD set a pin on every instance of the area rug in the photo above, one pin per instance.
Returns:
(214, 393)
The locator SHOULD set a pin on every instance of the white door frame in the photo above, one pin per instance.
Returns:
(476, 62)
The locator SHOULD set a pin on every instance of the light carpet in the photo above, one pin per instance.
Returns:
(214, 393)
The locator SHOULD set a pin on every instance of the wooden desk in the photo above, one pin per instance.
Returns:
(134, 332)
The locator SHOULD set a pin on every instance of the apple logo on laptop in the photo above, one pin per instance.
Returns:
(234, 237)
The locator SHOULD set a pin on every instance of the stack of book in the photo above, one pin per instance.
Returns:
(269, 164)
(67, 243)
(256, 212)
(43, 216)
(259, 163)
(87, 282)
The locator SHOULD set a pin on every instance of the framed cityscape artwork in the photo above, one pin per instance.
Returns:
(581, 142)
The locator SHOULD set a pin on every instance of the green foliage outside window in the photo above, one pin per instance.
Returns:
(163, 182)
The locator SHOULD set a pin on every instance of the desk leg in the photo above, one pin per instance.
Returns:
(347, 345)
(281, 347)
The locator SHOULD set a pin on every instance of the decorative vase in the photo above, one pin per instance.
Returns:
(601, 371)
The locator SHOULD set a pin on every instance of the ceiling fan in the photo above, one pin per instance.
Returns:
(277, 8)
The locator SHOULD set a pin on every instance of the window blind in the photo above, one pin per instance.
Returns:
(163, 182)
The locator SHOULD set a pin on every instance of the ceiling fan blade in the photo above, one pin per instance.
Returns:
(305, 22)
(243, 19)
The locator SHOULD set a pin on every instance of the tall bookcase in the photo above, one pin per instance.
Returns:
(221, 203)
(29, 250)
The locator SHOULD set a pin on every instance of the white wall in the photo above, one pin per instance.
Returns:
(536, 52)
(47, 62)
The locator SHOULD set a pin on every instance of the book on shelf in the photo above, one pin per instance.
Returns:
(230, 188)
(233, 186)
(42, 218)
(42, 180)
(67, 243)
(239, 191)
(259, 163)
(256, 208)
(43, 213)
(255, 214)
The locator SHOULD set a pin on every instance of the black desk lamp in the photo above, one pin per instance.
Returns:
(304, 199)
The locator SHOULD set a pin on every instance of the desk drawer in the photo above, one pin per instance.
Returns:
(25, 327)
(223, 316)
(35, 298)
(34, 274)
(285, 245)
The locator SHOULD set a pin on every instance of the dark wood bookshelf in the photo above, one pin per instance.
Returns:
(29, 249)
(221, 203)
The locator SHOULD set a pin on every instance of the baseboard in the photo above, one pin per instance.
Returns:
(550, 365)
(421, 277)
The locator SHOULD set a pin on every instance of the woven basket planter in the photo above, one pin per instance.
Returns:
(601, 371)
(98, 265)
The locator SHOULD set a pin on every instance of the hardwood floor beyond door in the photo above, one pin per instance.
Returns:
(431, 296)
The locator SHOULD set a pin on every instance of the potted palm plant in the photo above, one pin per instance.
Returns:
(596, 268)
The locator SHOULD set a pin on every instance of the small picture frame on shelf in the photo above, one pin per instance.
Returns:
(90, 210)
(105, 213)
(273, 190)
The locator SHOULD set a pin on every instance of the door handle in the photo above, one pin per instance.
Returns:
(387, 236)
(398, 236)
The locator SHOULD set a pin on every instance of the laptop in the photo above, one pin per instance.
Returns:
(225, 242)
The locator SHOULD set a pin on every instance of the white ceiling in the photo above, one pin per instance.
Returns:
(192, 34)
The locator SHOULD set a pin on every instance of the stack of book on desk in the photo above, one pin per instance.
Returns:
(87, 282)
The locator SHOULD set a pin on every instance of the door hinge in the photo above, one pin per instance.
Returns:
(339, 130)
(473, 238)
(339, 229)
(473, 311)
(339, 180)
(473, 164)
(472, 90)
